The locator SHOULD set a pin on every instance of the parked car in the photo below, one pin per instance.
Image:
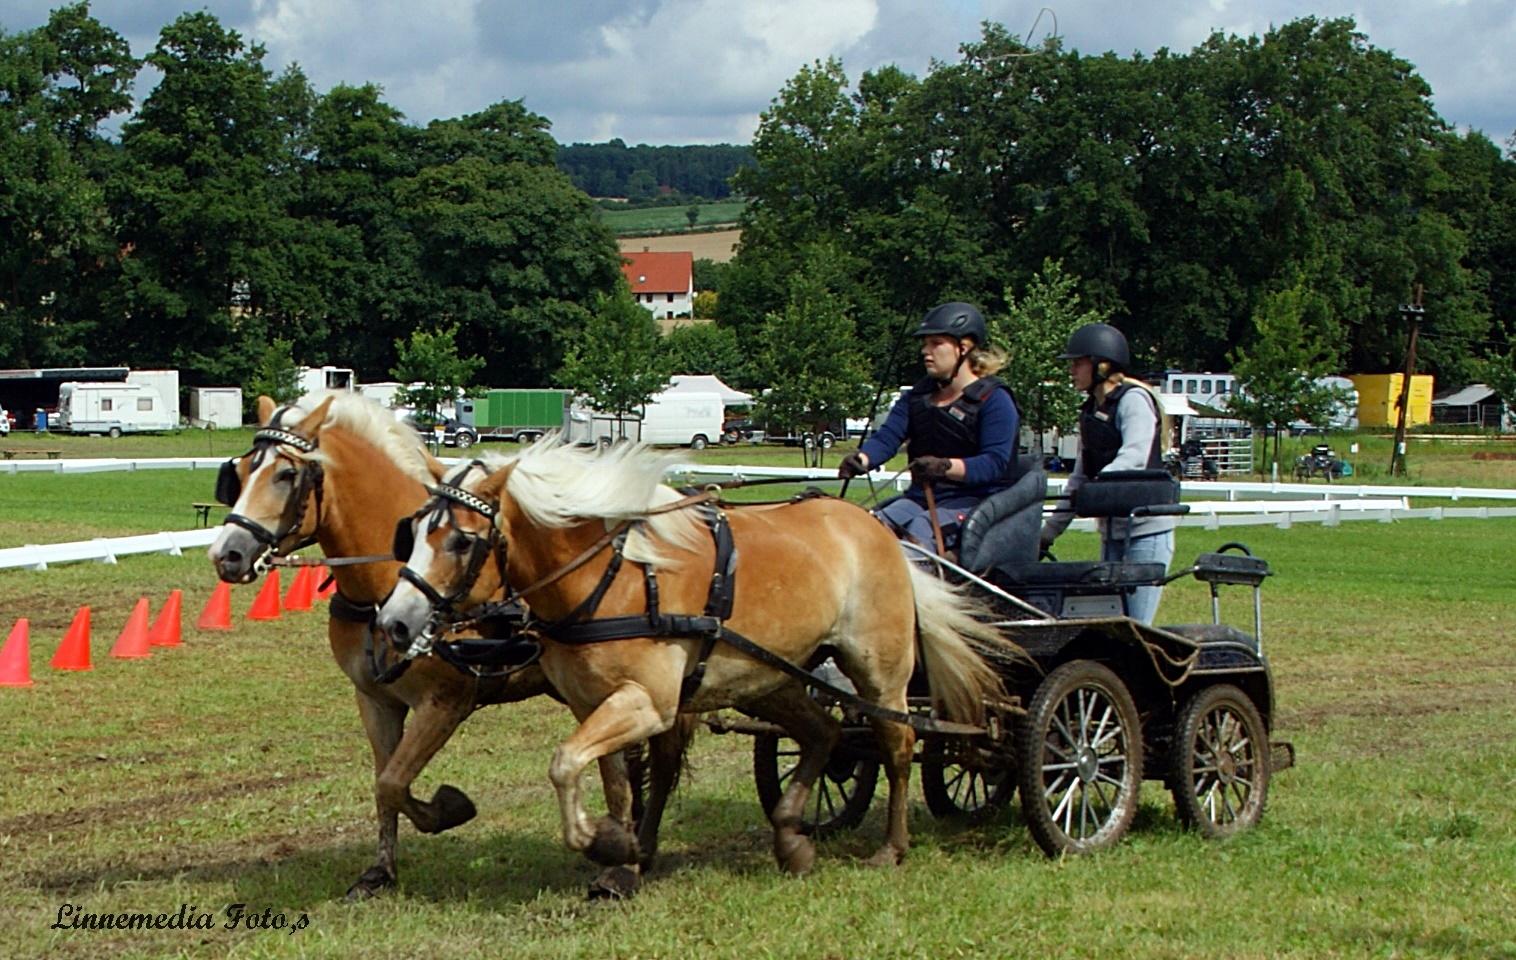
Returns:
(455, 433)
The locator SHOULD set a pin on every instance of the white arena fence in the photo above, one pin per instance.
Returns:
(1280, 505)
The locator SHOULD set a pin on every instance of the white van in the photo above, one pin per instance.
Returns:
(683, 418)
(112, 408)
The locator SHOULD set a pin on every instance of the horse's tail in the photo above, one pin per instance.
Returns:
(949, 628)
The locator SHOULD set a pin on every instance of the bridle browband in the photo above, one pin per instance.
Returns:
(444, 497)
(308, 480)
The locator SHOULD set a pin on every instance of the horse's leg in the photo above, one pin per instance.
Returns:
(384, 722)
(625, 717)
(897, 742)
(431, 726)
(816, 733)
(665, 762)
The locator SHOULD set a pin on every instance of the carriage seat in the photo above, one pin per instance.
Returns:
(1003, 528)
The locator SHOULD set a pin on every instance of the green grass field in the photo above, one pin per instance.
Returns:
(672, 219)
(233, 771)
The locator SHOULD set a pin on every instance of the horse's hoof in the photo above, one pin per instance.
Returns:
(614, 883)
(886, 856)
(796, 854)
(369, 884)
(614, 845)
(452, 808)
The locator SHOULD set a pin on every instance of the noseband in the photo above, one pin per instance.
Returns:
(308, 480)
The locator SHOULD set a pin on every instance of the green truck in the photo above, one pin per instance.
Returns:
(521, 415)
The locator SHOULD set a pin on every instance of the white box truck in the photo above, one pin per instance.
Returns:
(683, 418)
(112, 408)
(215, 408)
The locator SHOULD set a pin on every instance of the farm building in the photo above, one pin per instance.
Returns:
(664, 283)
(1474, 405)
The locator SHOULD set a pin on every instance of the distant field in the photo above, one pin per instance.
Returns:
(654, 219)
(717, 245)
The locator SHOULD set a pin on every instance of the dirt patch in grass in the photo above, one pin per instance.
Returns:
(115, 811)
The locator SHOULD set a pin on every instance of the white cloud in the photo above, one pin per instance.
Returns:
(688, 71)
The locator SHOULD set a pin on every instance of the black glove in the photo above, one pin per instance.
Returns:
(852, 466)
(927, 469)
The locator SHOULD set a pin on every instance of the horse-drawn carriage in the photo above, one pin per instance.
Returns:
(1073, 711)
(1100, 702)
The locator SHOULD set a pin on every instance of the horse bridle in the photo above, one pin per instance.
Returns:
(445, 497)
(308, 480)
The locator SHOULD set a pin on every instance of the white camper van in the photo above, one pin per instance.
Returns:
(112, 408)
(683, 418)
(311, 379)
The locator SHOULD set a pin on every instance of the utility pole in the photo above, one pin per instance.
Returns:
(1413, 311)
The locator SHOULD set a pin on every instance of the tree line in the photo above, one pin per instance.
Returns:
(615, 170)
(1184, 192)
(1254, 198)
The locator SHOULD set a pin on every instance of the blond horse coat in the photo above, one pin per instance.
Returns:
(813, 573)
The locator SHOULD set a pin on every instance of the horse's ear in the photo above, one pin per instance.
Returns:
(266, 408)
(437, 467)
(493, 484)
(311, 425)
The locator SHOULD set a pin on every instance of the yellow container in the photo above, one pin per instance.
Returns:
(1379, 399)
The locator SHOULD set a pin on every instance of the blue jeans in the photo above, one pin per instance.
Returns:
(906, 517)
(1153, 548)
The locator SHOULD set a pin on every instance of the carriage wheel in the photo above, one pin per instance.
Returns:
(841, 795)
(956, 791)
(1219, 767)
(1081, 760)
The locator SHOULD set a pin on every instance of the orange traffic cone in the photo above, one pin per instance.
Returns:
(266, 604)
(132, 643)
(301, 591)
(73, 652)
(217, 614)
(165, 631)
(16, 658)
(325, 585)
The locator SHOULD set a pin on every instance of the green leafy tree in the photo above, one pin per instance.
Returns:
(1033, 331)
(706, 348)
(811, 358)
(432, 360)
(692, 214)
(617, 361)
(58, 85)
(274, 375)
(1276, 376)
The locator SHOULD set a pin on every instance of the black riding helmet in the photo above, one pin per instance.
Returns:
(954, 319)
(1099, 341)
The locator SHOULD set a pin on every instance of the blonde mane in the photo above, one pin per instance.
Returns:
(557, 484)
(369, 421)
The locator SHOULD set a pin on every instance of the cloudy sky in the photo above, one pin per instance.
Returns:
(700, 71)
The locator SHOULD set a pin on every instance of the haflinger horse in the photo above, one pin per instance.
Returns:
(626, 643)
(340, 471)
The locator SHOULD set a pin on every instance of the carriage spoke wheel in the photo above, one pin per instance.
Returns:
(1081, 760)
(1220, 762)
(957, 791)
(841, 795)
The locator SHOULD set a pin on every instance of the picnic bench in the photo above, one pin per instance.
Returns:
(12, 452)
(203, 512)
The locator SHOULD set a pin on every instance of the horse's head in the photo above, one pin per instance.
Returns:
(453, 550)
(273, 490)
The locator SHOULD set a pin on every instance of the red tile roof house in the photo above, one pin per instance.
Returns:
(664, 283)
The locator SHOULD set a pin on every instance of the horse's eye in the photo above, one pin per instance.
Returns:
(456, 542)
(284, 475)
